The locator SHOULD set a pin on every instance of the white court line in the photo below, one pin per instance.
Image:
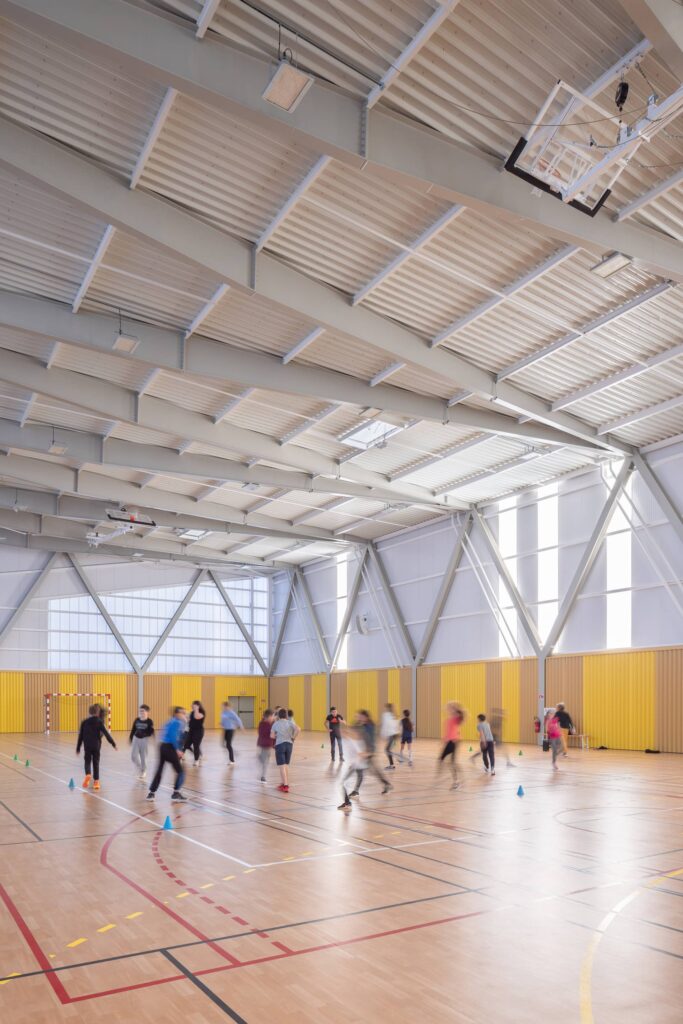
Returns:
(127, 810)
(352, 853)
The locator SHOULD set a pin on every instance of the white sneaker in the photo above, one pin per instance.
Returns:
(142, 776)
(493, 773)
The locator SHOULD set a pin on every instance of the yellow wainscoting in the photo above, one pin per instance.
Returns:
(241, 686)
(619, 699)
(466, 684)
(64, 714)
(185, 689)
(297, 699)
(362, 692)
(394, 689)
(511, 671)
(318, 702)
(12, 715)
(117, 684)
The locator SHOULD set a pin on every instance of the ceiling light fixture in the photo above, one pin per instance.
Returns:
(288, 85)
(611, 264)
(123, 342)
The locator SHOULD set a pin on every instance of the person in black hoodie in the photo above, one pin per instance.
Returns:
(195, 731)
(566, 725)
(140, 733)
(90, 738)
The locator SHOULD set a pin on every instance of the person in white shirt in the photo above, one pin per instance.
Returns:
(284, 732)
(486, 744)
(388, 730)
(356, 758)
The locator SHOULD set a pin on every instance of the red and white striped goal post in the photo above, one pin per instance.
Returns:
(49, 696)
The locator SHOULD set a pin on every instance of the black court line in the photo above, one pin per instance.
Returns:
(236, 935)
(21, 821)
(16, 771)
(216, 1000)
(627, 942)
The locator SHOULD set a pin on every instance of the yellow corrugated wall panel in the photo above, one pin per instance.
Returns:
(12, 702)
(67, 720)
(297, 699)
(465, 683)
(185, 689)
(115, 683)
(394, 687)
(318, 702)
(362, 692)
(511, 692)
(242, 686)
(619, 699)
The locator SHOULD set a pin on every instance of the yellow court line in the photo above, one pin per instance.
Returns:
(106, 928)
(228, 878)
(209, 885)
(586, 974)
(181, 895)
(14, 974)
(248, 871)
(129, 917)
(76, 942)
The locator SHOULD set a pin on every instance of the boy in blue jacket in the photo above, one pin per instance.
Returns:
(171, 751)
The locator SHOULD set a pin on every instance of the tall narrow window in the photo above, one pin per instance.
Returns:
(618, 573)
(547, 583)
(507, 543)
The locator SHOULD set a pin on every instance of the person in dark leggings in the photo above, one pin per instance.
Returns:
(171, 752)
(454, 719)
(355, 757)
(368, 732)
(90, 738)
(230, 721)
(195, 731)
(388, 731)
(486, 744)
(333, 724)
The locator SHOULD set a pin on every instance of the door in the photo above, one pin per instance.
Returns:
(244, 706)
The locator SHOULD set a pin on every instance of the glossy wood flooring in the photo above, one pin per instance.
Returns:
(564, 905)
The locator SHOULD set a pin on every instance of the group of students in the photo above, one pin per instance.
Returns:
(355, 743)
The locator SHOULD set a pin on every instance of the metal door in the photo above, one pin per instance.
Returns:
(244, 706)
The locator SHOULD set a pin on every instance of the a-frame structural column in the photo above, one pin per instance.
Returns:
(199, 578)
(308, 601)
(444, 591)
(659, 494)
(350, 604)
(239, 623)
(105, 614)
(376, 560)
(28, 596)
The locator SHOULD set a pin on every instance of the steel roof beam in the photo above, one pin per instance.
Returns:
(635, 370)
(206, 309)
(147, 44)
(100, 253)
(648, 197)
(154, 133)
(291, 202)
(205, 17)
(661, 22)
(218, 361)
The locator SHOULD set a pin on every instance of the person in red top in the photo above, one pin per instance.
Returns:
(264, 742)
(455, 716)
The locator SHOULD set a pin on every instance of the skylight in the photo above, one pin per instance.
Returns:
(370, 434)
(193, 534)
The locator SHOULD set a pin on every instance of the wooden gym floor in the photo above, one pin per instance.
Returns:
(425, 905)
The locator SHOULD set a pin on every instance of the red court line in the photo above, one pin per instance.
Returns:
(157, 903)
(32, 944)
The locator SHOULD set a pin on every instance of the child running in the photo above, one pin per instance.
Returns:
(486, 744)
(90, 738)
(356, 755)
(407, 730)
(195, 732)
(454, 719)
(140, 733)
(368, 731)
(388, 731)
(264, 741)
(230, 721)
(554, 732)
(171, 752)
(284, 731)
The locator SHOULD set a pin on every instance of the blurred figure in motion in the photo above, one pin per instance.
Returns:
(496, 719)
(455, 716)
(368, 731)
(388, 729)
(195, 731)
(566, 725)
(356, 756)
(264, 741)
(554, 734)
(407, 730)
(230, 721)
(486, 744)
(284, 731)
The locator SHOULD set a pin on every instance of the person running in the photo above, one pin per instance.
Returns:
(171, 752)
(368, 731)
(554, 734)
(486, 744)
(90, 738)
(388, 730)
(284, 731)
(452, 728)
(566, 725)
(333, 724)
(407, 731)
(264, 741)
(355, 757)
(141, 732)
(230, 721)
(195, 731)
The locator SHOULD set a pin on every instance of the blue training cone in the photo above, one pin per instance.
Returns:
(520, 791)
(168, 824)
(71, 784)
